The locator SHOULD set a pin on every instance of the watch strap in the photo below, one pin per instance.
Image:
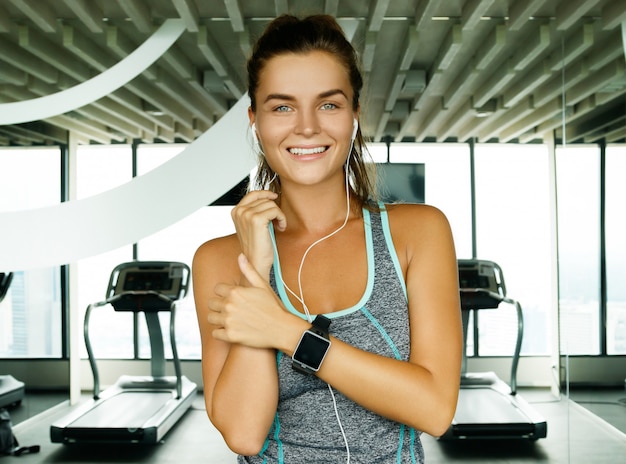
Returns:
(322, 324)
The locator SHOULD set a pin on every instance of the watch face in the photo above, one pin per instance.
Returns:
(311, 350)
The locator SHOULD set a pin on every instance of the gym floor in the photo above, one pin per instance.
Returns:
(589, 428)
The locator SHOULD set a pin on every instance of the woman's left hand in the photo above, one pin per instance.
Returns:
(248, 315)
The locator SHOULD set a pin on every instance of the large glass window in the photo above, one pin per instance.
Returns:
(578, 199)
(513, 230)
(30, 314)
(447, 184)
(98, 169)
(615, 227)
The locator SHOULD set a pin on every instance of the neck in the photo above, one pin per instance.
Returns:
(316, 209)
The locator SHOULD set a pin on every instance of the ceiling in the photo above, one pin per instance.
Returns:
(436, 70)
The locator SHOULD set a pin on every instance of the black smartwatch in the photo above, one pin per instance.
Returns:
(312, 347)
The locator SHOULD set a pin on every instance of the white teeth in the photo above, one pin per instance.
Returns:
(306, 151)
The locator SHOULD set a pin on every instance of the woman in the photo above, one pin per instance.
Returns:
(310, 242)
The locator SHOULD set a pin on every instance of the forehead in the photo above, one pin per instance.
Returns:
(296, 73)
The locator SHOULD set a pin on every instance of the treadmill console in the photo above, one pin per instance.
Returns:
(481, 284)
(147, 285)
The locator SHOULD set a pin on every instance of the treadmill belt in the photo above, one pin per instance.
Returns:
(126, 410)
(487, 406)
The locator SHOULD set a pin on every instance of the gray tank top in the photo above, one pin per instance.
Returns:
(305, 428)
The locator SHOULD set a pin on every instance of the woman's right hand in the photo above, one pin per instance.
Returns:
(251, 218)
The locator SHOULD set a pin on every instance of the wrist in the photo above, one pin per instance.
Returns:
(291, 334)
(262, 267)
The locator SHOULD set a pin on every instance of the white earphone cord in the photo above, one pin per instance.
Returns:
(300, 298)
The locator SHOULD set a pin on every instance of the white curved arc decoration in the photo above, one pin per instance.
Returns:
(64, 233)
(97, 87)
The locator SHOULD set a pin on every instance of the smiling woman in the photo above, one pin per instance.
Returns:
(327, 313)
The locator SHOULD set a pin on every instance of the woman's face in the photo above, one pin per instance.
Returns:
(304, 117)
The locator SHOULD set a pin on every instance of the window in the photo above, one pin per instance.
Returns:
(30, 314)
(615, 227)
(513, 229)
(447, 184)
(578, 198)
(101, 168)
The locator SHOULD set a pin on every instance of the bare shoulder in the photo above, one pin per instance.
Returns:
(217, 256)
(217, 246)
(416, 219)
(419, 231)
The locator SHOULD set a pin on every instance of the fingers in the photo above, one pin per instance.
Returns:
(243, 313)
(259, 207)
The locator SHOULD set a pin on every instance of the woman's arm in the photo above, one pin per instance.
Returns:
(423, 392)
(240, 383)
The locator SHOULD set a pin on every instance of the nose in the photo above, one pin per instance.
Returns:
(307, 123)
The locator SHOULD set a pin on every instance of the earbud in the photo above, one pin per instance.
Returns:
(255, 138)
(355, 125)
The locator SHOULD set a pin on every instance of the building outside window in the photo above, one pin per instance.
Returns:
(578, 200)
(30, 314)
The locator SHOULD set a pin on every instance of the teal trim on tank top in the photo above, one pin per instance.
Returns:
(369, 246)
(401, 441)
(382, 331)
(384, 219)
(279, 443)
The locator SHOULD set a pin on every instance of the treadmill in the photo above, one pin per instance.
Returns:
(136, 409)
(11, 390)
(488, 407)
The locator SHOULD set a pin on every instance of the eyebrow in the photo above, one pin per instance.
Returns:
(326, 94)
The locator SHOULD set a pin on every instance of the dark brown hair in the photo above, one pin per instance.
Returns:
(289, 34)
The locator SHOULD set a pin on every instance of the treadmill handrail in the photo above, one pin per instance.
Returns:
(90, 355)
(491, 293)
(92, 359)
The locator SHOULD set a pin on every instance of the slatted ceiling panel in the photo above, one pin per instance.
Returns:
(504, 59)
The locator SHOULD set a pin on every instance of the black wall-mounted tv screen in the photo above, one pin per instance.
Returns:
(402, 182)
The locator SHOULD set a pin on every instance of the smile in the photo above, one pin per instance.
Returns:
(307, 151)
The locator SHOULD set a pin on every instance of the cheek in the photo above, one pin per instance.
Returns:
(274, 133)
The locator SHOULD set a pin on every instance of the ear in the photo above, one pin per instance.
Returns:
(252, 119)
